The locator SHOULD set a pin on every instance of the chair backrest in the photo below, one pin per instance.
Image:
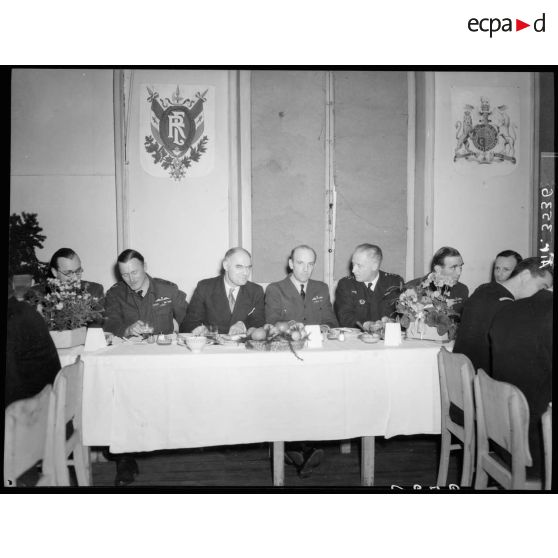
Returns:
(456, 383)
(503, 416)
(28, 424)
(547, 442)
(67, 390)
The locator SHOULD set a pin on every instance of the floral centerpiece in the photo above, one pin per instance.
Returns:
(67, 306)
(428, 304)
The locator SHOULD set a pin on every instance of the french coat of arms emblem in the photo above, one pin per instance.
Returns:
(177, 139)
(485, 135)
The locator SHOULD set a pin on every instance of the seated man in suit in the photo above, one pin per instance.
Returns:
(369, 293)
(135, 305)
(521, 347)
(527, 278)
(448, 263)
(65, 265)
(229, 301)
(299, 298)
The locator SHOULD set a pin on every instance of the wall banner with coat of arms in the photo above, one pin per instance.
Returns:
(485, 123)
(177, 138)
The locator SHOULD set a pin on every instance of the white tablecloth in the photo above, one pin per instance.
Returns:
(150, 397)
(68, 356)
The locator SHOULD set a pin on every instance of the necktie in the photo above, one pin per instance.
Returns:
(369, 287)
(302, 293)
(231, 300)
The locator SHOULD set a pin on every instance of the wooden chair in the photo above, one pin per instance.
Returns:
(456, 386)
(28, 438)
(547, 441)
(68, 388)
(503, 417)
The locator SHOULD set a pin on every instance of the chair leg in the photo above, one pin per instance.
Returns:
(468, 465)
(481, 478)
(444, 458)
(82, 465)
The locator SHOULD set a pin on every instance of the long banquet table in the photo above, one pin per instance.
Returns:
(141, 397)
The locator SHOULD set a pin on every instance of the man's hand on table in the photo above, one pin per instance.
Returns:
(137, 329)
(237, 329)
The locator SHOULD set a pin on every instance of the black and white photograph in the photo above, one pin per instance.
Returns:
(258, 253)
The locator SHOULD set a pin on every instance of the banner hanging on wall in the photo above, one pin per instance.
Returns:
(486, 124)
(177, 137)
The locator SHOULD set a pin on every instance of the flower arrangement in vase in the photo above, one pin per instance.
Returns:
(67, 306)
(426, 310)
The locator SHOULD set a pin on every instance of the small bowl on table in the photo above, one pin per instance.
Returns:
(196, 343)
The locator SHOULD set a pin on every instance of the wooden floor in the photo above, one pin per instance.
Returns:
(403, 461)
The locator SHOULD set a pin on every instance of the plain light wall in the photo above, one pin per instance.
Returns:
(181, 228)
(481, 216)
(62, 162)
(370, 163)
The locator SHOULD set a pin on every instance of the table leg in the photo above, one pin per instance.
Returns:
(367, 461)
(278, 463)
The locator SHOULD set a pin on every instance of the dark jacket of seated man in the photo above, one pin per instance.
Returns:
(210, 306)
(284, 303)
(354, 302)
(31, 358)
(162, 302)
(521, 342)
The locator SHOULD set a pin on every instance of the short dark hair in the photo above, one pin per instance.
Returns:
(535, 266)
(510, 254)
(128, 255)
(441, 254)
(232, 251)
(303, 247)
(372, 250)
(61, 253)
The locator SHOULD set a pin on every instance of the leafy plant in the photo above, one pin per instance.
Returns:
(24, 239)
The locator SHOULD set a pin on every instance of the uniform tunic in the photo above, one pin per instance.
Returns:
(284, 303)
(162, 302)
(355, 302)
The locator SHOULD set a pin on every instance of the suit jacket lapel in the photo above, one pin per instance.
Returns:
(240, 304)
(222, 300)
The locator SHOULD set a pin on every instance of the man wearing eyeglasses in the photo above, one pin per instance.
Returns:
(65, 265)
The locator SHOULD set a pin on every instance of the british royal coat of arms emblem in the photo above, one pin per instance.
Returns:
(485, 134)
(177, 123)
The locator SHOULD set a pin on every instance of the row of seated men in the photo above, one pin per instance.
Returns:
(232, 303)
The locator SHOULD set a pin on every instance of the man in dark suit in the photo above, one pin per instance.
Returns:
(297, 297)
(229, 301)
(526, 279)
(521, 346)
(370, 293)
(65, 265)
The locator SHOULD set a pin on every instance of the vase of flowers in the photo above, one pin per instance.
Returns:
(67, 308)
(426, 310)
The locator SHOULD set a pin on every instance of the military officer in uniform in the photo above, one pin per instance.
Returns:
(369, 293)
(297, 297)
(139, 304)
